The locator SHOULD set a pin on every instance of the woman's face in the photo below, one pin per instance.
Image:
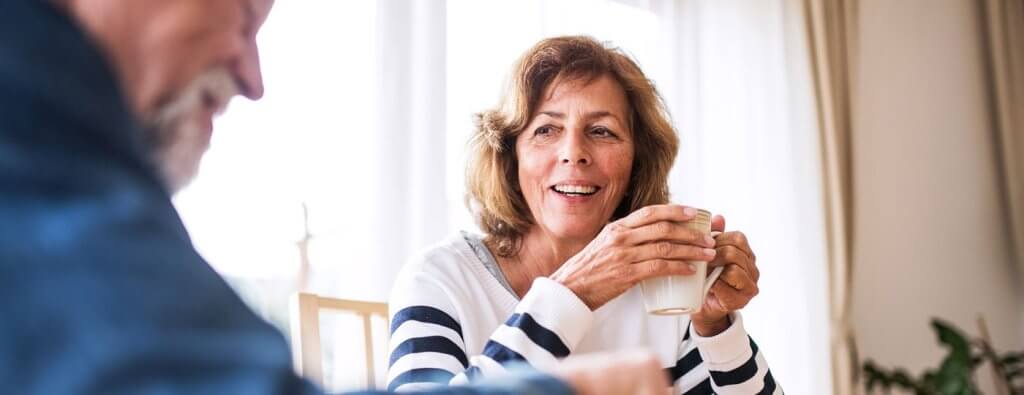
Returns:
(575, 157)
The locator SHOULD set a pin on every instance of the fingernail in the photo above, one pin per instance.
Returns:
(690, 211)
(709, 240)
(709, 252)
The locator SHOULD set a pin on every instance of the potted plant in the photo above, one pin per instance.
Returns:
(955, 375)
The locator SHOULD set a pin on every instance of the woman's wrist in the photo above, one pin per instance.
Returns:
(567, 280)
(713, 327)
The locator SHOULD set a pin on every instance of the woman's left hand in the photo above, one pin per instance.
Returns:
(735, 286)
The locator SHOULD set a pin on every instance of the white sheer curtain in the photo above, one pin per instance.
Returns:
(369, 106)
(737, 79)
(409, 168)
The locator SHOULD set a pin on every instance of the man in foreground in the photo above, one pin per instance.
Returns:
(105, 110)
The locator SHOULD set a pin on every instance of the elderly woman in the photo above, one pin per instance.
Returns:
(568, 180)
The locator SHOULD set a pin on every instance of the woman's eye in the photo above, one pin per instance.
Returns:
(542, 131)
(602, 132)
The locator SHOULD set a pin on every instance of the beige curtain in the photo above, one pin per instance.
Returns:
(1003, 22)
(831, 30)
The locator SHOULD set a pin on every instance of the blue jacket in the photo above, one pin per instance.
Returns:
(101, 290)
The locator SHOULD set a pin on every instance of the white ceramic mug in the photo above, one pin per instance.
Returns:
(673, 295)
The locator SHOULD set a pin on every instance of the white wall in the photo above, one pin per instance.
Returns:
(930, 237)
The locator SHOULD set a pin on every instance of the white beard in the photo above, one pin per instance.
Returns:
(176, 131)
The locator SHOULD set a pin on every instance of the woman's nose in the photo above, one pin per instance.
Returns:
(574, 151)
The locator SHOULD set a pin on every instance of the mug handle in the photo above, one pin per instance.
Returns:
(714, 273)
(711, 280)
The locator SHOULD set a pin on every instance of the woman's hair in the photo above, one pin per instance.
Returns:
(492, 180)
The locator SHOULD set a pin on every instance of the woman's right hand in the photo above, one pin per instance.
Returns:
(650, 242)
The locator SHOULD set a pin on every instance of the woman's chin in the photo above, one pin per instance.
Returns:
(574, 231)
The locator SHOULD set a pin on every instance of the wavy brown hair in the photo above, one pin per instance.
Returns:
(492, 181)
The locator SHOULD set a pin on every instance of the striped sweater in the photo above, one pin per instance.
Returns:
(453, 320)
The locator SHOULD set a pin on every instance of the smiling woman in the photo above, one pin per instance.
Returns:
(569, 175)
(600, 104)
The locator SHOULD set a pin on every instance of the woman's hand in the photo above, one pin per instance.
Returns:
(735, 287)
(650, 242)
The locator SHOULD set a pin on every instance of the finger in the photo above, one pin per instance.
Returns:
(739, 241)
(729, 255)
(728, 296)
(658, 212)
(736, 239)
(657, 268)
(712, 303)
(718, 223)
(667, 250)
(737, 278)
(675, 232)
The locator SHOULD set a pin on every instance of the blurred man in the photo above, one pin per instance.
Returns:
(105, 110)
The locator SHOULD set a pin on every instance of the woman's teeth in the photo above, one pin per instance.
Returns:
(575, 189)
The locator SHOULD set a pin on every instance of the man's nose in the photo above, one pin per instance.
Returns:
(248, 74)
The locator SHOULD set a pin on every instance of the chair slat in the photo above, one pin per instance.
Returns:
(305, 328)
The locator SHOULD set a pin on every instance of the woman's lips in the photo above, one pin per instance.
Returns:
(576, 189)
(575, 193)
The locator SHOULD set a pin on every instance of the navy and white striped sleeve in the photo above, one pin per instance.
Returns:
(427, 345)
(727, 363)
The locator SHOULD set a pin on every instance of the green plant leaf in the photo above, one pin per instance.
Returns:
(1012, 361)
(902, 379)
(929, 381)
(875, 376)
(1012, 358)
(950, 336)
(953, 378)
(954, 374)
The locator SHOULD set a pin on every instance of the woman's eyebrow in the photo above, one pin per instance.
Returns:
(600, 114)
(589, 115)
